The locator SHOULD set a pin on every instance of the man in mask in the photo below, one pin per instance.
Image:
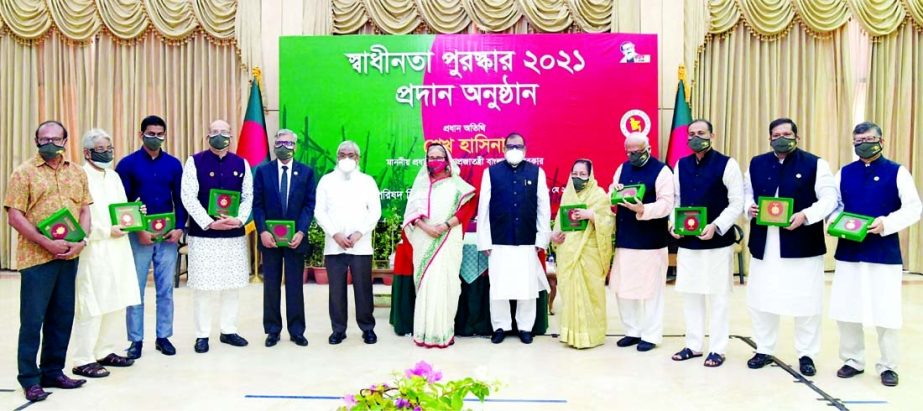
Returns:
(106, 280)
(153, 176)
(712, 180)
(787, 264)
(514, 217)
(348, 209)
(37, 189)
(283, 190)
(639, 270)
(219, 261)
(867, 283)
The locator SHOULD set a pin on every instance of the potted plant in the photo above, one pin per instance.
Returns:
(314, 260)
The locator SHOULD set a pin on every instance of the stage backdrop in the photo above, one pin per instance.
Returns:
(571, 95)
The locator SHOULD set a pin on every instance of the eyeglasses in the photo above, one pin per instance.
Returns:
(224, 134)
(157, 136)
(58, 141)
(286, 144)
(861, 140)
(435, 158)
(515, 146)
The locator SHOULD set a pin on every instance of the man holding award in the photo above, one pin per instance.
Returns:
(46, 197)
(217, 190)
(787, 193)
(152, 176)
(711, 180)
(106, 280)
(877, 199)
(639, 270)
(283, 207)
(514, 216)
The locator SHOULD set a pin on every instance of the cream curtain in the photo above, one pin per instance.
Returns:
(895, 101)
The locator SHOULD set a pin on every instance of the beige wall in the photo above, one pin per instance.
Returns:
(663, 17)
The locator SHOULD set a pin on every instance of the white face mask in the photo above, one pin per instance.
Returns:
(346, 165)
(103, 166)
(515, 156)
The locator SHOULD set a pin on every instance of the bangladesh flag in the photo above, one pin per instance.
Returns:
(254, 145)
(682, 117)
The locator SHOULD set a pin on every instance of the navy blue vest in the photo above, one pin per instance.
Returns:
(641, 234)
(225, 173)
(701, 184)
(513, 203)
(870, 191)
(793, 178)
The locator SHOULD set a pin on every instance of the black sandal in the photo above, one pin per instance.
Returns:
(714, 360)
(91, 370)
(685, 354)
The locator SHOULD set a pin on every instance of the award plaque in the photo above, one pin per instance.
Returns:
(690, 220)
(569, 221)
(223, 203)
(632, 194)
(159, 225)
(283, 231)
(850, 226)
(127, 216)
(62, 226)
(774, 211)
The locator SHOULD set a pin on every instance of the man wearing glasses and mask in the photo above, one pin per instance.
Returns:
(152, 176)
(219, 261)
(283, 190)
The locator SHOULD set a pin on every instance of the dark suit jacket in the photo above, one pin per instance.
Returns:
(267, 203)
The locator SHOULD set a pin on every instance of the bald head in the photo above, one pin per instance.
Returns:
(636, 142)
(219, 127)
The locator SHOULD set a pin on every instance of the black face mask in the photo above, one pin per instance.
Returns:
(698, 144)
(639, 159)
(105, 157)
(784, 145)
(152, 143)
(579, 183)
(219, 142)
(49, 151)
(284, 153)
(868, 150)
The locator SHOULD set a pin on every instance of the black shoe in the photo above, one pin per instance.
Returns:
(300, 341)
(807, 366)
(165, 346)
(889, 378)
(64, 382)
(272, 339)
(848, 372)
(134, 350)
(627, 341)
(336, 338)
(498, 336)
(645, 346)
(201, 345)
(759, 361)
(233, 339)
(369, 337)
(35, 393)
(525, 337)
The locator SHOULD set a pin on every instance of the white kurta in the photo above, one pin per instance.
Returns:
(870, 293)
(216, 263)
(515, 272)
(790, 286)
(709, 271)
(106, 278)
(347, 204)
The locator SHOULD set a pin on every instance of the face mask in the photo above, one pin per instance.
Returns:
(579, 183)
(346, 165)
(101, 157)
(699, 144)
(436, 166)
(639, 159)
(867, 150)
(219, 142)
(152, 143)
(515, 156)
(783, 145)
(49, 151)
(284, 154)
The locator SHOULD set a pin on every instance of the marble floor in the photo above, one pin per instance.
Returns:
(543, 376)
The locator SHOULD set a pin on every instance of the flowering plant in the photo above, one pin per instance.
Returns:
(418, 389)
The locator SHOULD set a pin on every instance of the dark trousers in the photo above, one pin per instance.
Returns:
(46, 315)
(360, 266)
(274, 261)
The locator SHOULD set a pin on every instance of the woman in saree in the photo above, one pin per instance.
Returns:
(583, 259)
(438, 208)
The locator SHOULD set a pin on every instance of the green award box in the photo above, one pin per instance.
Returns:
(159, 225)
(774, 211)
(569, 221)
(283, 231)
(127, 216)
(633, 194)
(850, 226)
(690, 220)
(223, 203)
(62, 226)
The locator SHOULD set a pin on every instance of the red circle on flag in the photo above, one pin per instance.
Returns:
(775, 208)
(158, 225)
(58, 231)
(692, 223)
(280, 230)
(224, 200)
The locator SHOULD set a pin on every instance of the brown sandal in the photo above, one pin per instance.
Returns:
(91, 370)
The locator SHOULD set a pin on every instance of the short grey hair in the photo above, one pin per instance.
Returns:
(865, 126)
(286, 132)
(349, 144)
(93, 134)
(638, 138)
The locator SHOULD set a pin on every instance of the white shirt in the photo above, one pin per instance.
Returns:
(288, 172)
(347, 205)
(733, 180)
(542, 218)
